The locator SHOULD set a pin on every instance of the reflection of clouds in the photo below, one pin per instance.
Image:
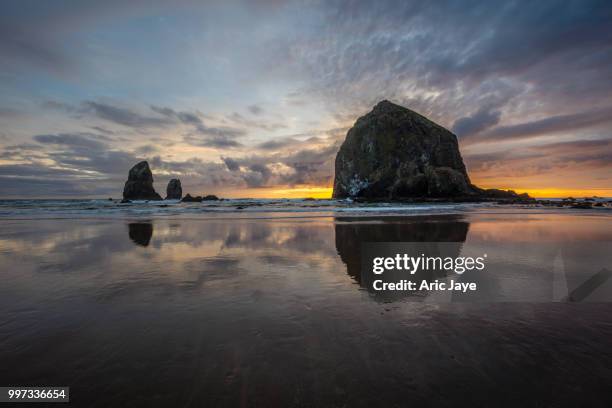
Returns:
(151, 254)
(526, 250)
(538, 228)
(110, 255)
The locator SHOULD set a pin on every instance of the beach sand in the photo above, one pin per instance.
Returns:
(275, 312)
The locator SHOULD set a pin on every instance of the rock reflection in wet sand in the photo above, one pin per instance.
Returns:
(141, 232)
(420, 235)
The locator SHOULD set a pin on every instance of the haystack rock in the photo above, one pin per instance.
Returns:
(174, 191)
(139, 185)
(393, 153)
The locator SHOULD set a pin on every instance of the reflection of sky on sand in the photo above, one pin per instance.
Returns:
(210, 312)
(193, 252)
(521, 254)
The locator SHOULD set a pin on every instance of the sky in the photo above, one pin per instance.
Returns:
(254, 98)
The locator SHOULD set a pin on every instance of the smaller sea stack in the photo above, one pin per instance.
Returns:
(174, 191)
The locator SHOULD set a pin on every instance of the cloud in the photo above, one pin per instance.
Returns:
(255, 109)
(303, 164)
(78, 164)
(238, 120)
(72, 140)
(279, 143)
(549, 125)
(232, 165)
(124, 116)
(219, 141)
(583, 155)
(482, 119)
(23, 46)
(6, 112)
(489, 72)
(165, 117)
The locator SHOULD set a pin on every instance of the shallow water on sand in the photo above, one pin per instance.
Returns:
(275, 312)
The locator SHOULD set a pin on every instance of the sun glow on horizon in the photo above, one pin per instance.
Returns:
(326, 192)
(319, 192)
(301, 191)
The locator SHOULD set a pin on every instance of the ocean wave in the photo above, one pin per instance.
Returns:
(87, 208)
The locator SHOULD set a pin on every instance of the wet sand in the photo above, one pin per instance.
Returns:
(276, 312)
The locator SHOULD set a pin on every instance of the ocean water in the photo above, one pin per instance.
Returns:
(140, 306)
(174, 208)
(244, 208)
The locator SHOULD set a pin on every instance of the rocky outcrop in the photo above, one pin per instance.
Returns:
(393, 153)
(189, 199)
(139, 185)
(174, 191)
(210, 197)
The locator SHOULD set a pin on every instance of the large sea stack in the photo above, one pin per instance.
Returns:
(393, 153)
(139, 185)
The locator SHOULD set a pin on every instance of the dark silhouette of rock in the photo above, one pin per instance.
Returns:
(139, 185)
(189, 199)
(582, 205)
(210, 197)
(503, 196)
(393, 153)
(140, 233)
(431, 235)
(174, 191)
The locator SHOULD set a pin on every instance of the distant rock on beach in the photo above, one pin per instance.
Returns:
(190, 199)
(139, 185)
(393, 153)
(174, 191)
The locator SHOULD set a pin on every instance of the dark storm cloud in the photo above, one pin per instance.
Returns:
(232, 165)
(483, 119)
(48, 187)
(123, 116)
(34, 170)
(102, 130)
(164, 117)
(549, 125)
(545, 158)
(72, 140)
(219, 141)
(589, 153)
(276, 144)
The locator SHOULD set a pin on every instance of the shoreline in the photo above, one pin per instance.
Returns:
(297, 215)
